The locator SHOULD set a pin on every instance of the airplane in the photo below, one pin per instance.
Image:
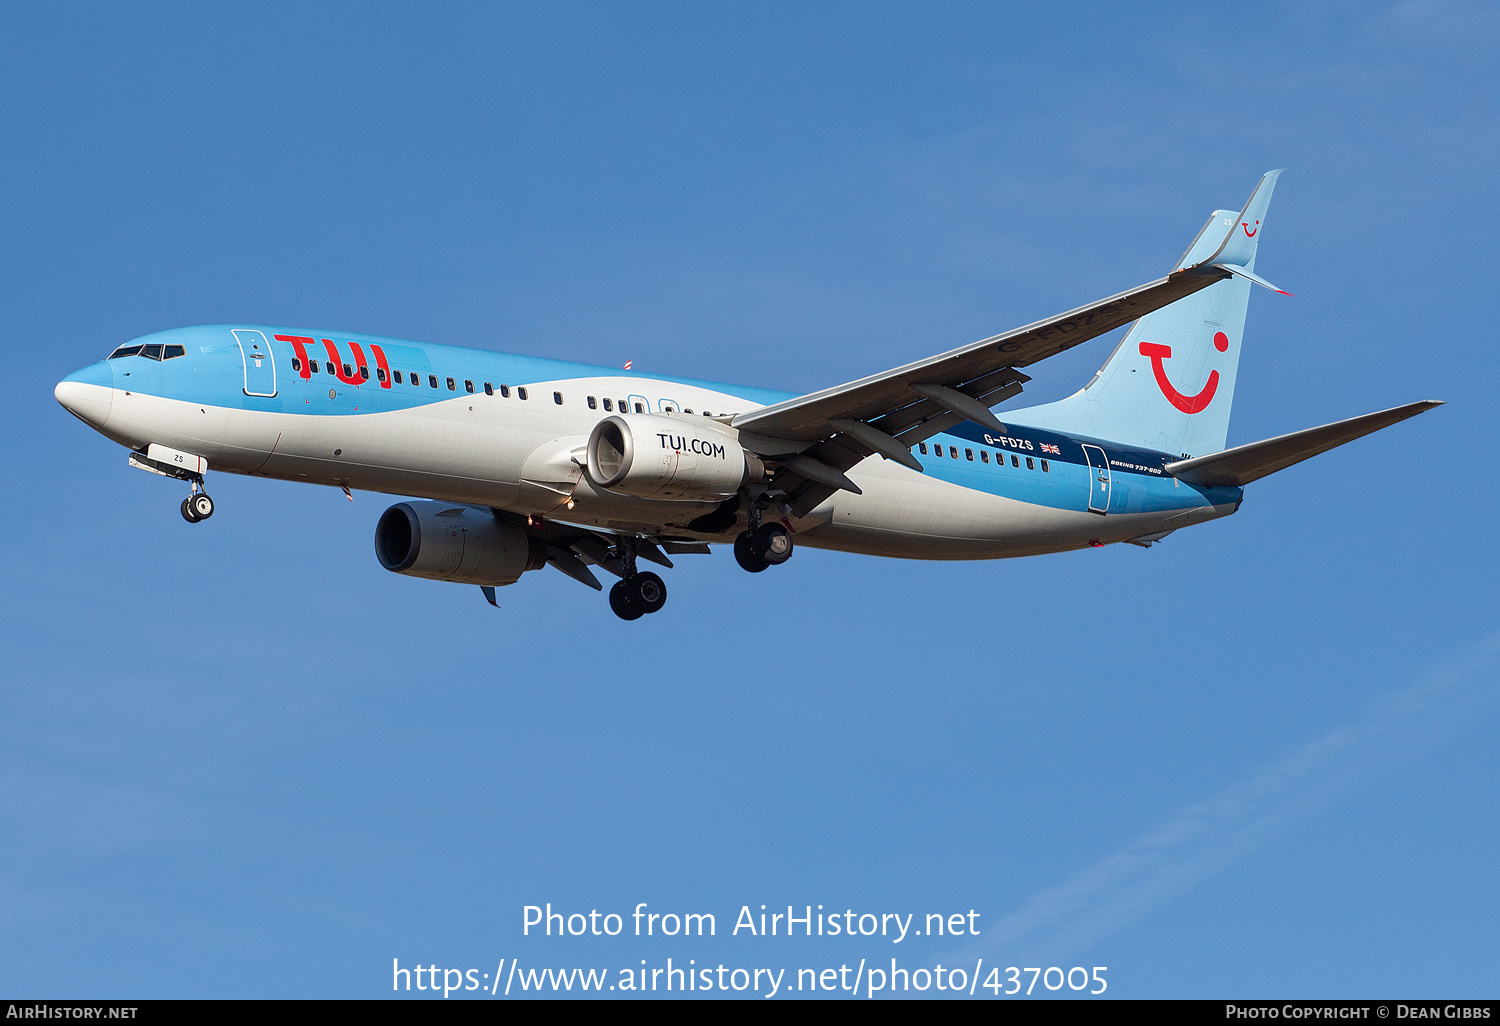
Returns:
(516, 463)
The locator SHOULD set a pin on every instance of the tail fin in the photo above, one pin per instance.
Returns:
(1169, 385)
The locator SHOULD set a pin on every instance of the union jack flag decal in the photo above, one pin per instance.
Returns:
(1054, 450)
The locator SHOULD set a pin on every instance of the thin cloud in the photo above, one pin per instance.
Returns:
(1209, 836)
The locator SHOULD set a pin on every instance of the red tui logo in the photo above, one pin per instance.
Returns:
(350, 374)
(1186, 403)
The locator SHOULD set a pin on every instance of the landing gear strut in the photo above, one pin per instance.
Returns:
(636, 594)
(197, 506)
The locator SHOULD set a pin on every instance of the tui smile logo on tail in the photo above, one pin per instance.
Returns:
(1186, 403)
(1250, 232)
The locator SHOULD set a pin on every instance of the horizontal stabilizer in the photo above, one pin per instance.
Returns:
(1246, 463)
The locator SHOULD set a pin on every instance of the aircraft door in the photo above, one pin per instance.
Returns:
(1099, 479)
(260, 365)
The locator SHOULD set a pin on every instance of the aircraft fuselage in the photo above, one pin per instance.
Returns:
(507, 432)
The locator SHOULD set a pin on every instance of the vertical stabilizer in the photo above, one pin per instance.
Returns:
(1169, 385)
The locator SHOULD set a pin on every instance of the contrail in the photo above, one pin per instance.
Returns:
(1208, 836)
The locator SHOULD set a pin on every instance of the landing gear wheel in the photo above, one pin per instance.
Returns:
(745, 556)
(202, 505)
(647, 592)
(619, 601)
(772, 543)
(187, 510)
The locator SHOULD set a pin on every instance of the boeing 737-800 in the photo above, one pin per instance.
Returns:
(518, 463)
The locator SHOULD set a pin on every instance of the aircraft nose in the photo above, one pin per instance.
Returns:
(88, 393)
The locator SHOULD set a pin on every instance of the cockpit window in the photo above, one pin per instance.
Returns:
(125, 351)
(173, 352)
(151, 352)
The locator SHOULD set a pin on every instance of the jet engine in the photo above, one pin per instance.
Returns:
(443, 541)
(655, 457)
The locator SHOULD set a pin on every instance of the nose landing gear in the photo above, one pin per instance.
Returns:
(197, 506)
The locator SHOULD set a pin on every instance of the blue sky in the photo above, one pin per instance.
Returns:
(244, 760)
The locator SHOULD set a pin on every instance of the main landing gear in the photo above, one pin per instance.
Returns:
(636, 594)
(763, 545)
(197, 506)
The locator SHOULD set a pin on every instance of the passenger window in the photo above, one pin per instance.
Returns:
(416, 379)
(328, 366)
(984, 456)
(489, 389)
(593, 403)
(969, 455)
(172, 352)
(922, 446)
(432, 380)
(640, 408)
(521, 393)
(468, 386)
(624, 406)
(609, 404)
(151, 352)
(953, 452)
(686, 410)
(398, 377)
(125, 351)
(347, 372)
(312, 365)
(557, 398)
(296, 364)
(1030, 463)
(380, 373)
(1045, 468)
(364, 372)
(452, 385)
(1015, 462)
(505, 391)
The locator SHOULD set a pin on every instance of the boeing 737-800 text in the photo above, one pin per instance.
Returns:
(522, 462)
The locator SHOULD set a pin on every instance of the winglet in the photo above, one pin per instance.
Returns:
(1238, 248)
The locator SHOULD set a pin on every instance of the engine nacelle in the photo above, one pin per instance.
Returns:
(653, 457)
(443, 541)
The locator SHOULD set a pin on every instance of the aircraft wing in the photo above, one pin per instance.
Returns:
(825, 433)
